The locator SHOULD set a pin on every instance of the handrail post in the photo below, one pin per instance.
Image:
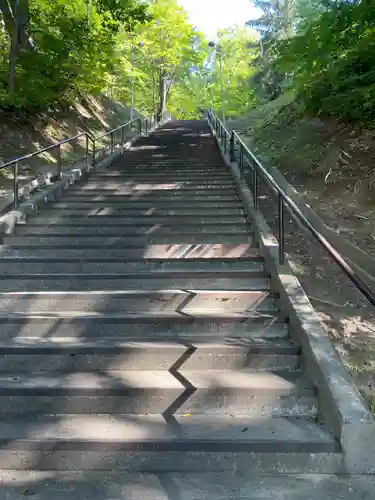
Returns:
(255, 185)
(231, 150)
(139, 126)
(225, 142)
(122, 139)
(241, 162)
(15, 186)
(59, 161)
(87, 150)
(93, 153)
(281, 229)
(112, 143)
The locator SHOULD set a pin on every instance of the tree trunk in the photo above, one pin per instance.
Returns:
(16, 18)
(13, 53)
(153, 90)
(162, 95)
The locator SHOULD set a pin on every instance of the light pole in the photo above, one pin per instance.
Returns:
(211, 46)
(140, 44)
(219, 53)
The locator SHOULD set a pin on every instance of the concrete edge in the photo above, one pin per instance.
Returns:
(342, 407)
(53, 191)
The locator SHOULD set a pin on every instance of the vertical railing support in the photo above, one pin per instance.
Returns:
(87, 150)
(122, 139)
(255, 185)
(59, 161)
(241, 162)
(15, 186)
(281, 230)
(93, 153)
(231, 148)
(112, 143)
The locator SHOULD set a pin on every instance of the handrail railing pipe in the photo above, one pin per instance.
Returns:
(15, 163)
(141, 125)
(285, 202)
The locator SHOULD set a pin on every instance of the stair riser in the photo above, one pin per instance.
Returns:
(156, 359)
(114, 283)
(118, 222)
(205, 402)
(151, 252)
(159, 185)
(100, 206)
(251, 269)
(188, 198)
(139, 329)
(142, 242)
(185, 303)
(147, 230)
(157, 176)
(112, 213)
(156, 191)
(171, 166)
(174, 461)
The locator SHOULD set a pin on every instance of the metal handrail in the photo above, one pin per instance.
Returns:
(283, 201)
(144, 125)
(43, 150)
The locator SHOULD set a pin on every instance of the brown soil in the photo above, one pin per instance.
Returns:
(23, 135)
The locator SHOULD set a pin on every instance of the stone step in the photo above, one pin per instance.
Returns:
(82, 355)
(149, 443)
(154, 190)
(143, 242)
(229, 485)
(113, 282)
(145, 326)
(151, 198)
(194, 302)
(26, 268)
(150, 252)
(161, 184)
(145, 212)
(159, 204)
(169, 167)
(113, 231)
(155, 354)
(63, 220)
(204, 392)
(175, 194)
(155, 175)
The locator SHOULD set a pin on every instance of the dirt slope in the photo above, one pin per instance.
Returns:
(333, 165)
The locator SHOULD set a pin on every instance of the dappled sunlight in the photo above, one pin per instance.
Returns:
(145, 148)
(178, 251)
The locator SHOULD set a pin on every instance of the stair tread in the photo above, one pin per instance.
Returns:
(137, 284)
(129, 241)
(83, 346)
(154, 428)
(175, 251)
(284, 383)
(250, 268)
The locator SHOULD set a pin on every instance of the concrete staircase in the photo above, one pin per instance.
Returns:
(140, 332)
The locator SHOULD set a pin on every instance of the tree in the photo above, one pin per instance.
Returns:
(61, 48)
(16, 18)
(277, 22)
